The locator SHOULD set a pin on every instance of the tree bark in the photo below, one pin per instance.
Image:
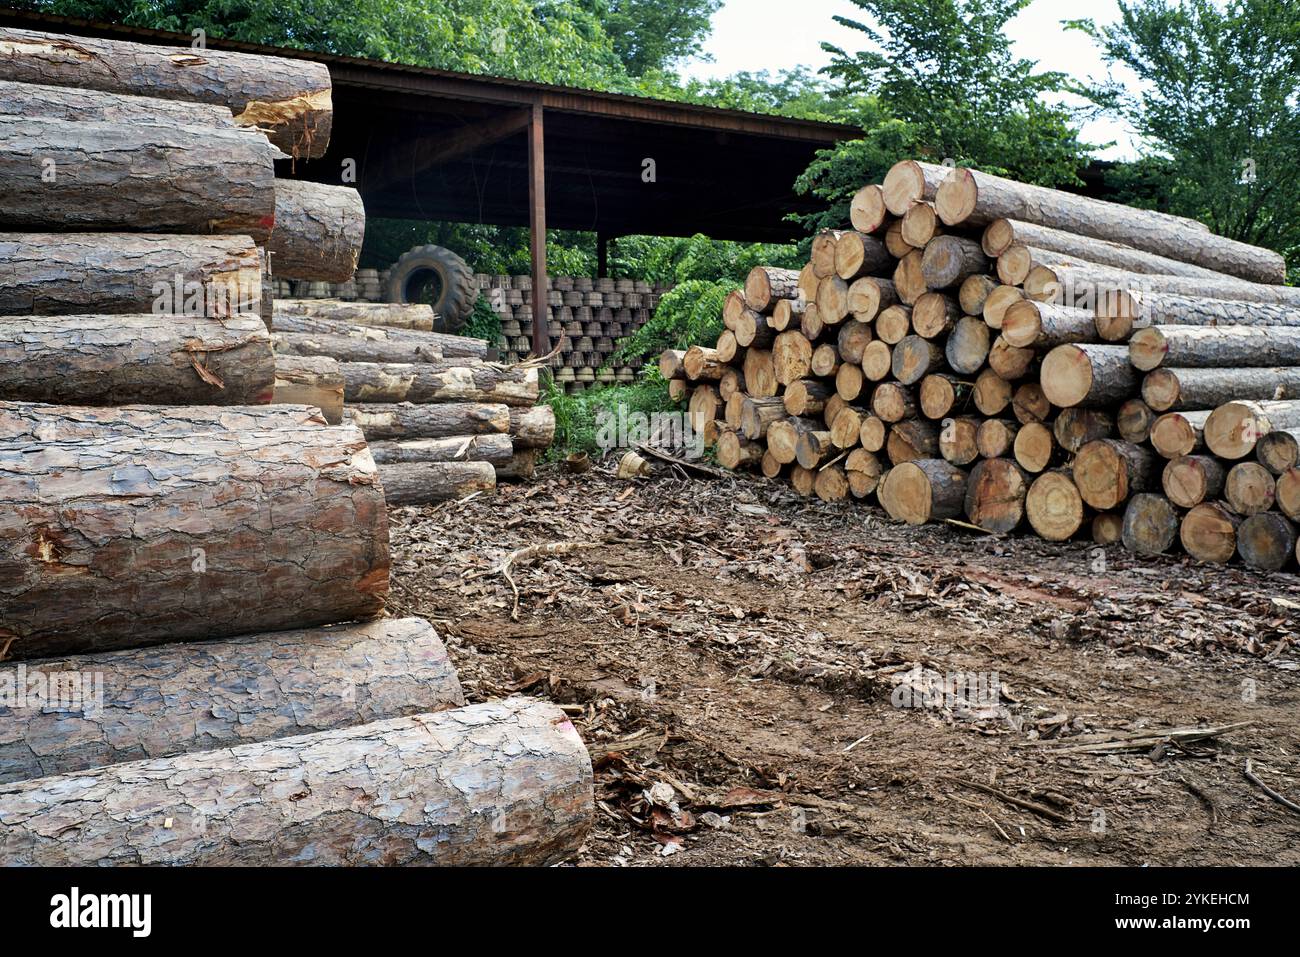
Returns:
(1266, 541)
(1088, 286)
(310, 380)
(289, 100)
(416, 316)
(109, 360)
(1108, 471)
(355, 348)
(1119, 314)
(28, 422)
(147, 178)
(449, 346)
(1001, 234)
(497, 449)
(318, 231)
(419, 483)
(1193, 347)
(452, 380)
(159, 702)
(1150, 524)
(1085, 374)
(405, 420)
(1176, 390)
(923, 491)
(72, 105)
(501, 783)
(138, 541)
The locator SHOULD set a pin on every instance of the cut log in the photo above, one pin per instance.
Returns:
(877, 360)
(948, 260)
(522, 466)
(452, 380)
(1017, 261)
(1288, 493)
(1150, 524)
(934, 315)
(760, 371)
(807, 283)
(1233, 429)
(1075, 428)
(143, 178)
(867, 296)
(1085, 374)
(1249, 488)
(996, 438)
(764, 285)
(1108, 528)
(924, 491)
(356, 348)
(677, 390)
(832, 300)
(414, 316)
(726, 348)
(915, 358)
(831, 484)
(1133, 421)
(1108, 471)
(732, 307)
(159, 702)
(73, 105)
(405, 420)
(862, 470)
(1191, 347)
(1209, 533)
(732, 381)
(791, 358)
(991, 393)
(769, 466)
(497, 448)
(998, 302)
(1028, 404)
(1189, 480)
(976, 198)
(822, 255)
(703, 407)
(752, 328)
(419, 483)
(805, 397)
(920, 225)
(873, 432)
(785, 313)
(959, 440)
(1008, 361)
(909, 279)
(810, 322)
(783, 437)
(813, 448)
(1175, 390)
(1266, 541)
(702, 363)
(1278, 450)
(85, 273)
(867, 210)
(757, 414)
(736, 452)
(1086, 286)
(894, 242)
(1001, 234)
(940, 393)
(857, 254)
(1034, 447)
(974, 292)
(893, 402)
(1122, 311)
(450, 346)
(849, 382)
(287, 99)
(318, 231)
(310, 380)
(850, 342)
(995, 495)
(136, 541)
(1044, 325)
(909, 182)
(909, 440)
(1054, 506)
(109, 360)
(28, 422)
(501, 783)
(734, 406)
(967, 347)
(893, 324)
(803, 480)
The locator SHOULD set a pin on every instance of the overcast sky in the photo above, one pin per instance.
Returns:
(780, 34)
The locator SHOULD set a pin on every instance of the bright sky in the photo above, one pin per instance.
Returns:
(763, 34)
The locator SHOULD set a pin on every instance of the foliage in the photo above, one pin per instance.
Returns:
(575, 415)
(650, 35)
(1219, 105)
(483, 323)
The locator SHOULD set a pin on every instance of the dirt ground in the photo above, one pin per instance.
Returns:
(755, 676)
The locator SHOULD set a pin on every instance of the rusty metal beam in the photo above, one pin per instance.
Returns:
(537, 227)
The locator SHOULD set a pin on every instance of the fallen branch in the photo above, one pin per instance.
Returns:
(1039, 809)
(1254, 779)
(536, 551)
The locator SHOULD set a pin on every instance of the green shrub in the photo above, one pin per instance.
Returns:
(483, 323)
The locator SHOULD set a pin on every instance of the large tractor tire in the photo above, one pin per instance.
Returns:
(437, 277)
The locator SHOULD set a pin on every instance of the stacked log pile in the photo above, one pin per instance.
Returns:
(179, 537)
(983, 351)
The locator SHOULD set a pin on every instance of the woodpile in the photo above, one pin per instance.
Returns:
(1013, 357)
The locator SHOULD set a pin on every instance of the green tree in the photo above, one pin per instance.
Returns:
(1219, 104)
(651, 35)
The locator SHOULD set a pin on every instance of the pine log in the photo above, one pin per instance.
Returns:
(677, 390)
(894, 242)
(920, 225)
(310, 380)
(288, 99)
(803, 480)
(934, 315)
(1017, 261)
(751, 329)
(958, 440)
(501, 783)
(1076, 427)
(1175, 390)
(1249, 488)
(805, 397)
(1150, 524)
(991, 393)
(1029, 404)
(1191, 347)
(108, 360)
(851, 340)
(1209, 533)
(869, 295)
(449, 346)
(909, 279)
(831, 484)
(822, 254)
(877, 360)
(1034, 447)
(915, 358)
(791, 358)
(950, 259)
(995, 438)
(832, 300)
(1001, 234)
(28, 422)
(318, 231)
(769, 466)
(1044, 325)
(909, 440)
(414, 316)
(1086, 374)
(831, 409)
(703, 407)
(1087, 286)
(785, 313)
(810, 321)
(867, 210)
(138, 177)
(893, 402)
(1122, 311)
(732, 381)
(136, 541)
(1108, 528)
(813, 448)
(419, 483)
(909, 182)
(451, 380)
(967, 347)
(176, 699)
(734, 406)
(521, 467)
(764, 285)
(72, 105)
(1108, 471)
(732, 307)
(1054, 506)
(940, 393)
(807, 283)
(923, 491)
(1288, 493)
(757, 414)
(760, 371)
(974, 293)
(975, 198)
(1133, 421)
(1233, 428)
(1008, 361)
(84, 273)
(849, 382)
(998, 302)
(1266, 541)
(356, 348)
(783, 437)
(1278, 450)
(862, 470)
(893, 324)
(736, 452)
(995, 495)
(497, 449)
(1189, 480)
(405, 420)
(702, 363)
(857, 254)
(873, 433)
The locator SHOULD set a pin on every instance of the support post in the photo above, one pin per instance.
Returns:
(537, 228)
(602, 255)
